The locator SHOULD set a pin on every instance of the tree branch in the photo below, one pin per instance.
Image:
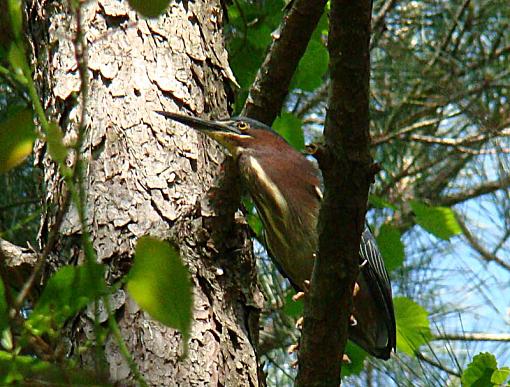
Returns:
(13, 255)
(484, 253)
(437, 364)
(473, 336)
(378, 25)
(289, 44)
(346, 166)
(482, 189)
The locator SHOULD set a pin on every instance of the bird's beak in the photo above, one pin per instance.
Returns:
(224, 132)
(207, 126)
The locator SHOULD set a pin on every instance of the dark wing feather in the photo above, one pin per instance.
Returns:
(379, 282)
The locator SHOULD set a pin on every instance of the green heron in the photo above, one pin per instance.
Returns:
(285, 187)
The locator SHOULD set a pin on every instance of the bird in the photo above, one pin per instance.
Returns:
(286, 189)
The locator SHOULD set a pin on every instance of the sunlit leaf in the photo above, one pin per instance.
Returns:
(290, 128)
(413, 327)
(159, 282)
(391, 247)
(152, 8)
(439, 221)
(68, 291)
(500, 376)
(479, 372)
(17, 137)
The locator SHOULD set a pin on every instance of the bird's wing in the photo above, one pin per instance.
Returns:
(377, 276)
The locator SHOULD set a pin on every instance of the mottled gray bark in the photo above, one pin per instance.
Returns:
(148, 176)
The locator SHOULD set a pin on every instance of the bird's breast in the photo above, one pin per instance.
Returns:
(288, 207)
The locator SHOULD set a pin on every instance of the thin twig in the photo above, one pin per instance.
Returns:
(484, 253)
(436, 364)
(482, 189)
(474, 336)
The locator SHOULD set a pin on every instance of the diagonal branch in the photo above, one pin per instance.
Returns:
(437, 364)
(289, 44)
(484, 253)
(482, 189)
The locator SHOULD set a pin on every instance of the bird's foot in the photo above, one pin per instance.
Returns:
(352, 321)
(293, 348)
(299, 295)
(346, 359)
(356, 289)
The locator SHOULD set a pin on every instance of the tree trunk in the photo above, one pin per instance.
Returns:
(148, 176)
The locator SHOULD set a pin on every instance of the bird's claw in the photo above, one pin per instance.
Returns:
(298, 296)
(352, 321)
(356, 289)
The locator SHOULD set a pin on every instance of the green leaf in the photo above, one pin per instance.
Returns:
(501, 375)
(392, 248)
(68, 291)
(255, 224)
(413, 329)
(159, 282)
(54, 137)
(292, 308)
(439, 221)
(260, 37)
(15, 18)
(379, 202)
(290, 128)
(479, 372)
(16, 368)
(17, 59)
(312, 67)
(357, 357)
(17, 137)
(3, 308)
(152, 8)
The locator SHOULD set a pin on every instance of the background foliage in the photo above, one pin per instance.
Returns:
(440, 128)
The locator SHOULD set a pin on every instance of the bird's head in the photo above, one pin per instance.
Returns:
(236, 134)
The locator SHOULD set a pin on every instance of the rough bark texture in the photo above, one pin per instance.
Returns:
(148, 177)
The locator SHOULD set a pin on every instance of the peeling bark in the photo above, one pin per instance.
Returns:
(147, 176)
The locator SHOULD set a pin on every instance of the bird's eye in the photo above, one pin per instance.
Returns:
(241, 125)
